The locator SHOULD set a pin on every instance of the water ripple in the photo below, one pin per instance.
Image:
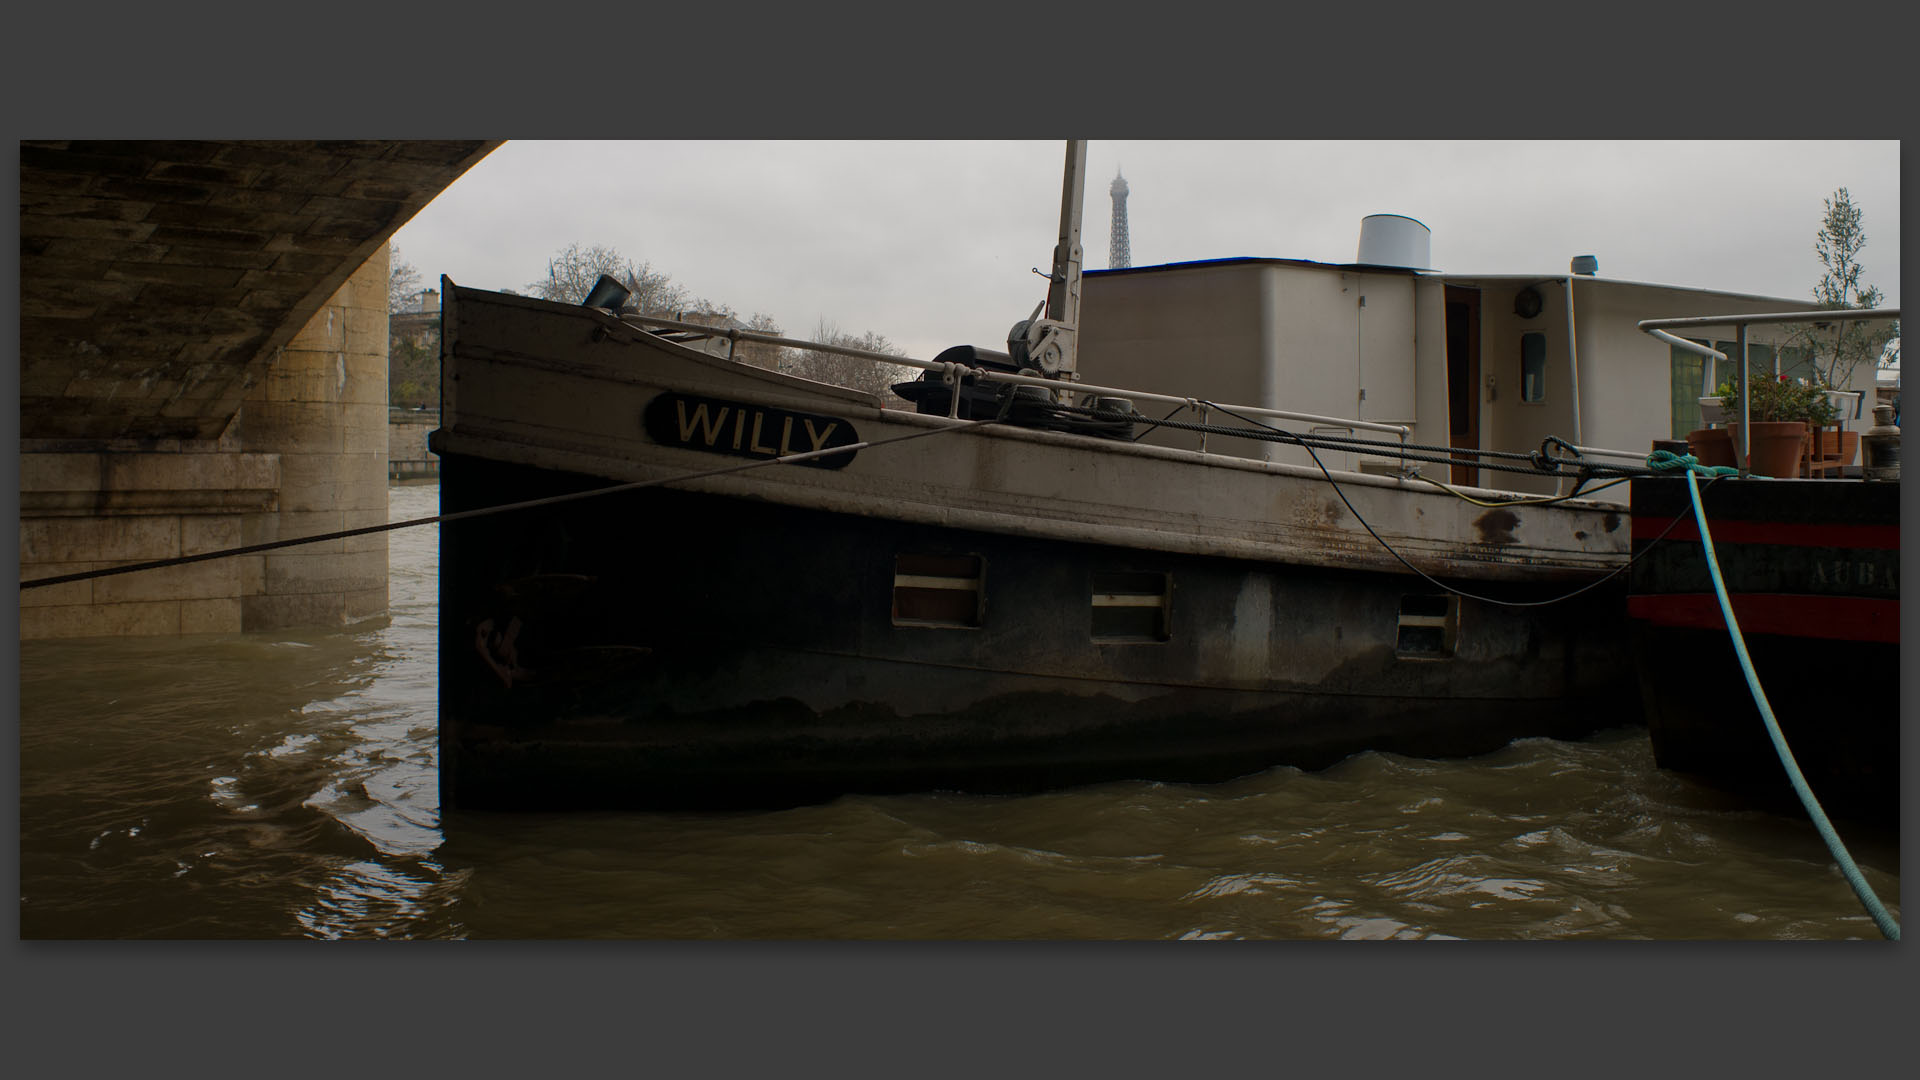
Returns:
(287, 786)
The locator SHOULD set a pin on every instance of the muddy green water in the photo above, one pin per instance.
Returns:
(284, 786)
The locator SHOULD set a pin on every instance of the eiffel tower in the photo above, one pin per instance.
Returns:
(1117, 254)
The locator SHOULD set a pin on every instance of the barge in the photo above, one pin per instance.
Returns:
(1811, 569)
(729, 586)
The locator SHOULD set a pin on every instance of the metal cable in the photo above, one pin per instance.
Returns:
(461, 515)
(1538, 462)
(1882, 918)
(1595, 583)
(1255, 430)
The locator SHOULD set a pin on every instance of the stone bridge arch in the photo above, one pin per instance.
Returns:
(203, 365)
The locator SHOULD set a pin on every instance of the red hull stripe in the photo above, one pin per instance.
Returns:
(1840, 618)
(1795, 534)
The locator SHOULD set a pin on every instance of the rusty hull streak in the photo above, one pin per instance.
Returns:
(1316, 513)
(1497, 527)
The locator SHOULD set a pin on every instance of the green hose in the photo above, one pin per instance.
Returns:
(1860, 887)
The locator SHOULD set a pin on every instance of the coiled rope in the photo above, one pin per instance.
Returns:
(1666, 461)
(1881, 917)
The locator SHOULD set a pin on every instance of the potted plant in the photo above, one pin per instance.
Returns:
(1780, 410)
(1709, 443)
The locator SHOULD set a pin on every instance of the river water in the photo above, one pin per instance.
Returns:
(284, 786)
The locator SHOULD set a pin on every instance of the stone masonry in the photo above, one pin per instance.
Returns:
(203, 365)
(306, 454)
(83, 512)
(322, 410)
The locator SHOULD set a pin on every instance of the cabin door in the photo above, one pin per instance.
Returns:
(1463, 376)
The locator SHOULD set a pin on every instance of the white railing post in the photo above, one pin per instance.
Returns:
(1659, 327)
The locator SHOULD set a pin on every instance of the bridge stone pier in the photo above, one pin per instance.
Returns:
(203, 366)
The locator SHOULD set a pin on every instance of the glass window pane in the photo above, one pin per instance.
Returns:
(1689, 370)
(1533, 368)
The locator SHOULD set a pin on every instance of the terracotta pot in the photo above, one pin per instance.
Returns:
(1711, 447)
(1776, 446)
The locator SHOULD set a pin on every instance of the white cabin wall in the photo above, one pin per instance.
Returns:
(1387, 336)
(1269, 334)
(1506, 422)
(1262, 334)
(1429, 416)
(1189, 332)
(1626, 374)
(1315, 356)
(1294, 336)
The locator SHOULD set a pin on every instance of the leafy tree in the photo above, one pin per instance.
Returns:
(1838, 244)
(1840, 347)
(403, 281)
(413, 372)
(413, 354)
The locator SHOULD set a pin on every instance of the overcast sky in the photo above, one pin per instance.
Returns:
(933, 243)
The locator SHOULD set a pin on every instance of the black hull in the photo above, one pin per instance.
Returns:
(676, 649)
(1702, 719)
(1812, 572)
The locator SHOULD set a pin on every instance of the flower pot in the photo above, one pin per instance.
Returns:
(1711, 447)
(1776, 446)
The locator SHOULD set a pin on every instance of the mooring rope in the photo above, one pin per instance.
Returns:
(1666, 461)
(1868, 899)
(1443, 586)
(461, 515)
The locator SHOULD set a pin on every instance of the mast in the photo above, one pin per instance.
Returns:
(1050, 341)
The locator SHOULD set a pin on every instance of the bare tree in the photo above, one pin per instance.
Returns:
(873, 376)
(403, 281)
(572, 273)
(759, 353)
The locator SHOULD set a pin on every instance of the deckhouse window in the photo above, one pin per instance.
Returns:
(1429, 626)
(1692, 380)
(938, 590)
(1131, 607)
(1794, 361)
(1533, 368)
(1696, 376)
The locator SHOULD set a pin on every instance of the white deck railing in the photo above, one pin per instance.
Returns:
(953, 372)
(1659, 327)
